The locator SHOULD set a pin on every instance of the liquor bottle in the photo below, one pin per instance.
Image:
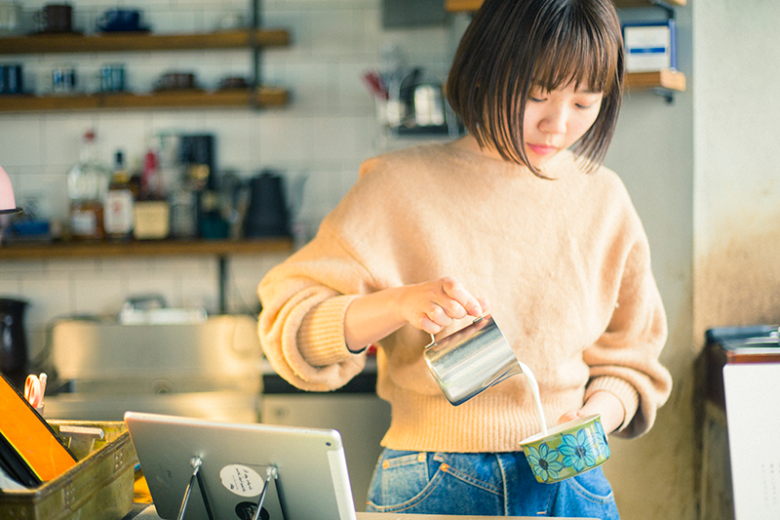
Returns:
(87, 183)
(151, 211)
(118, 211)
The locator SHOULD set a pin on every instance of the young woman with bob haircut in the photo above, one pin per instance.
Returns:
(506, 219)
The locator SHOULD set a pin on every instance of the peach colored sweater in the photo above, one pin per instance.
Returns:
(564, 263)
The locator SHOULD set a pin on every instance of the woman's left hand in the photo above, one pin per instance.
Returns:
(601, 402)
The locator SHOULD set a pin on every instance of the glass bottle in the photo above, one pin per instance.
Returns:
(151, 212)
(87, 183)
(118, 213)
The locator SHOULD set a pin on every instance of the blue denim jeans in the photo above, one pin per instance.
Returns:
(482, 484)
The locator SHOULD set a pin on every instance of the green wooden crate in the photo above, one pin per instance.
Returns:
(98, 487)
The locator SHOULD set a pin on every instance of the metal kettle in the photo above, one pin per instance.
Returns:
(421, 93)
(267, 214)
(13, 341)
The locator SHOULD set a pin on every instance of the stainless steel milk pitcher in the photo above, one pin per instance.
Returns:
(471, 360)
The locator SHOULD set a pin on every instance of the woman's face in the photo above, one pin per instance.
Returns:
(555, 120)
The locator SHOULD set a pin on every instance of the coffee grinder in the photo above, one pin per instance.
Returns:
(199, 159)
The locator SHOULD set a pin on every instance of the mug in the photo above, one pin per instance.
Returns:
(112, 78)
(10, 17)
(471, 360)
(231, 21)
(11, 79)
(176, 81)
(63, 80)
(120, 20)
(55, 18)
(428, 105)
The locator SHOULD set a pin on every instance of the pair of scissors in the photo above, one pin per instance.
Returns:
(34, 388)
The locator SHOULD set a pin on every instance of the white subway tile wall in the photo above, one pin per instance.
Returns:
(329, 127)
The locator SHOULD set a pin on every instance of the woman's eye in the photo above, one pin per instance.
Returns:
(587, 105)
(536, 99)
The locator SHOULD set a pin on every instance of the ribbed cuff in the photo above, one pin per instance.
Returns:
(320, 338)
(621, 389)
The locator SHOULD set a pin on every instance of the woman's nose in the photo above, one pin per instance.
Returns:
(554, 121)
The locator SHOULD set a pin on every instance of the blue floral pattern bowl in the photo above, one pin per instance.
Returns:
(567, 450)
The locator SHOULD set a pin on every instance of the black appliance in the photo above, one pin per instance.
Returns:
(267, 214)
(13, 341)
(199, 160)
(197, 154)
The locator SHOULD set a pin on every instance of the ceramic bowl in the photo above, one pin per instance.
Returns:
(567, 450)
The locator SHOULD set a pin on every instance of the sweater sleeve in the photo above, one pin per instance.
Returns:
(624, 360)
(301, 325)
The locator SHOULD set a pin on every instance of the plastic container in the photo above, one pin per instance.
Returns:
(99, 487)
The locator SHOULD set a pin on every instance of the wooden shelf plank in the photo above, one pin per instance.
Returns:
(236, 98)
(667, 79)
(645, 3)
(112, 42)
(71, 250)
(459, 6)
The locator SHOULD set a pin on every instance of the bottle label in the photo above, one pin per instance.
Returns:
(83, 223)
(118, 218)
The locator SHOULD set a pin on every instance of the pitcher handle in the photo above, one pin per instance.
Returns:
(476, 320)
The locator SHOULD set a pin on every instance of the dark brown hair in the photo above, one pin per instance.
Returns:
(513, 45)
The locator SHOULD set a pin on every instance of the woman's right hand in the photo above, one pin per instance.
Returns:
(432, 306)
(429, 306)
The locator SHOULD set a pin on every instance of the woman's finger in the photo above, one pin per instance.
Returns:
(438, 315)
(426, 325)
(569, 416)
(455, 290)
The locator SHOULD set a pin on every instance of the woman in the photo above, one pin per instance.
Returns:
(506, 218)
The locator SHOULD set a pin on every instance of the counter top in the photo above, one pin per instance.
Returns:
(362, 383)
(149, 513)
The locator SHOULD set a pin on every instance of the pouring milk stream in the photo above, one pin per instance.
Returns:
(475, 358)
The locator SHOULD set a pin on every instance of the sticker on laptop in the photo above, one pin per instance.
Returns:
(241, 480)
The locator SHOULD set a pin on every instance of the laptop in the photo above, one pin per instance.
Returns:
(305, 469)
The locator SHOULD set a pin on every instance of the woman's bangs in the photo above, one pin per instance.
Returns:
(577, 54)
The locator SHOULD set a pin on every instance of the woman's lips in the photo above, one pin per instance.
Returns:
(541, 149)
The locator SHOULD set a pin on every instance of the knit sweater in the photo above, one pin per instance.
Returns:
(564, 263)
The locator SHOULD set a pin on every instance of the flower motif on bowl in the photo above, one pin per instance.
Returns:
(544, 462)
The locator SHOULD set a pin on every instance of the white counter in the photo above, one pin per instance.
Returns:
(151, 514)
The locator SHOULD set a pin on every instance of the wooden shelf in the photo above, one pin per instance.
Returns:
(114, 42)
(460, 6)
(664, 79)
(74, 250)
(235, 98)
(263, 97)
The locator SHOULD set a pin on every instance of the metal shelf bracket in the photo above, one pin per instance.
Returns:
(666, 93)
(670, 12)
(255, 53)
